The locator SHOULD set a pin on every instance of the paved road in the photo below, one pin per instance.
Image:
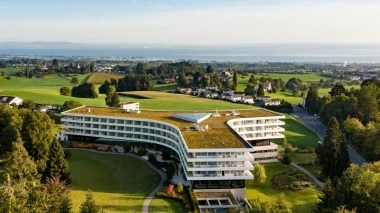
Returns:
(318, 128)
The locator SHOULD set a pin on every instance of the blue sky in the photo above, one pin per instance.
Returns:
(191, 22)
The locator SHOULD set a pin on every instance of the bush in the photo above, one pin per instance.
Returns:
(291, 180)
(193, 199)
(141, 151)
(179, 188)
(67, 154)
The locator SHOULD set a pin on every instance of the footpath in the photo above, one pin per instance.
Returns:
(311, 176)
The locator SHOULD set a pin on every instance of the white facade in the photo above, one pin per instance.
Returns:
(199, 164)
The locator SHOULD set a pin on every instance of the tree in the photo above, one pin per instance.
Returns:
(259, 174)
(112, 98)
(312, 100)
(28, 104)
(286, 160)
(293, 83)
(57, 165)
(210, 69)
(65, 91)
(250, 90)
(357, 190)
(8, 135)
(57, 199)
(92, 67)
(252, 79)
(74, 80)
(22, 191)
(71, 105)
(89, 205)
(86, 90)
(182, 80)
(260, 91)
(235, 79)
(37, 134)
(179, 187)
(141, 68)
(103, 88)
(337, 90)
(333, 153)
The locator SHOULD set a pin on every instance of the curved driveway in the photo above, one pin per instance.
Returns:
(318, 128)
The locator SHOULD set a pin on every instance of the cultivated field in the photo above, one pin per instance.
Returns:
(120, 183)
(11, 71)
(299, 201)
(172, 101)
(100, 77)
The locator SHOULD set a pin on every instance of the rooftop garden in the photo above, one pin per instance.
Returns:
(217, 135)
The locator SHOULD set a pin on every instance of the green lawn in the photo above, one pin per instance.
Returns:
(11, 71)
(299, 201)
(297, 134)
(120, 183)
(161, 205)
(165, 87)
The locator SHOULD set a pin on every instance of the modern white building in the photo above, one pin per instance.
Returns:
(216, 149)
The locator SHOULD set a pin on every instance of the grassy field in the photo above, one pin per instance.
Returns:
(300, 201)
(119, 183)
(100, 77)
(297, 134)
(11, 71)
(172, 101)
(165, 87)
(161, 205)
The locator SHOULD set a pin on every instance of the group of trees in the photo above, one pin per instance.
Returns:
(36, 170)
(358, 190)
(86, 90)
(128, 83)
(357, 112)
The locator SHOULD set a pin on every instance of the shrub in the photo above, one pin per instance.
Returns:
(127, 148)
(291, 180)
(179, 188)
(67, 154)
(141, 151)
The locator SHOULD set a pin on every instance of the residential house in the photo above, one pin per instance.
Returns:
(248, 99)
(9, 100)
(270, 102)
(235, 98)
(355, 78)
(267, 86)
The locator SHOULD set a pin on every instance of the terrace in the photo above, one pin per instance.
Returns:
(217, 134)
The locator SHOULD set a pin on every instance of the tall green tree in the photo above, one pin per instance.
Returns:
(333, 153)
(92, 67)
(260, 91)
(89, 205)
(312, 100)
(22, 191)
(182, 80)
(259, 174)
(210, 69)
(28, 104)
(57, 165)
(7, 136)
(112, 98)
(235, 80)
(37, 134)
(74, 80)
(57, 196)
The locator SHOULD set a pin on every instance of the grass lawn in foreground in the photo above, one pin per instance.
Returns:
(299, 201)
(162, 205)
(119, 183)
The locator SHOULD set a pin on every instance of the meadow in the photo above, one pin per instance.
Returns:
(298, 201)
(119, 183)
(100, 77)
(161, 205)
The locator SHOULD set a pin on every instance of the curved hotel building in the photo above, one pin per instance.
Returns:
(217, 150)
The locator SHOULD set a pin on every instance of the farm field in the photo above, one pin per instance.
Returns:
(100, 77)
(11, 71)
(299, 201)
(119, 183)
(161, 205)
(172, 101)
